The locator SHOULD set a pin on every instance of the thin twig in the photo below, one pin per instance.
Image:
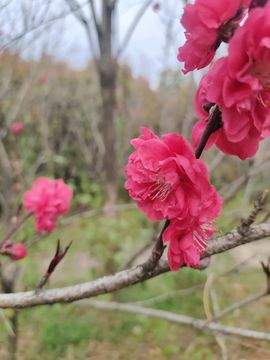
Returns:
(17, 226)
(250, 299)
(259, 205)
(157, 251)
(91, 213)
(133, 26)
(247, 301)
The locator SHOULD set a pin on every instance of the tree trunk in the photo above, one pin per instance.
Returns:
(107, 70)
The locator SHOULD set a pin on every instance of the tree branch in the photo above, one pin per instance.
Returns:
(94, 14)
(127, 277)
(179, 319)
(133, 26)
(74, 7)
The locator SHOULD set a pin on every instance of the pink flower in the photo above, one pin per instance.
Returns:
(187, 243)
(43, 79)
(15, 251)
(188, 237)
(207, 24)
(48, 199)
(17, 128)
(240, 85)
(165, 178)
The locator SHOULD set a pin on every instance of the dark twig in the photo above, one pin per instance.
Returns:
(157, 251)
(259, 205)
(266, 270)
(257, 3)
(214, 122)
(59, 255)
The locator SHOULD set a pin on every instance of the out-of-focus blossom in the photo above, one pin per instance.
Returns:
(48, 199)
(16, 251)
(17, 128)
(43, 79)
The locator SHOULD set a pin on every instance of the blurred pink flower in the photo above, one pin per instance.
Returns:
(43, 79)
(17, 128)
(240, 85)
(15, 251)
(48, 199)
(207, 24)
(165, 178)
(18, 251)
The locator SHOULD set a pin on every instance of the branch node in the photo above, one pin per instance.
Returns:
(259, 205)
(58, 257)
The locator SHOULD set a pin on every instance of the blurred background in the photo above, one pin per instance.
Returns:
(77, 80)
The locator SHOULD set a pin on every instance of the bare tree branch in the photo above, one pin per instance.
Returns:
(133, 26)
(94, 14)
(179, 319)
(38, 25)
(249, 300)
(126, 278)
(75, 8)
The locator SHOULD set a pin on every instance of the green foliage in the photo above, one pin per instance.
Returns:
(62, 328)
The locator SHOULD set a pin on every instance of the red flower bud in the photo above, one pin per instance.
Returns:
(17, 128)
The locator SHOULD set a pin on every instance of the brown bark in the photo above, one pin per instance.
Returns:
(107, 77)
(107, 71)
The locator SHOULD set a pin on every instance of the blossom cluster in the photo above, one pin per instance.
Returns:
(163, 174)
(168, 182)
(238, 83)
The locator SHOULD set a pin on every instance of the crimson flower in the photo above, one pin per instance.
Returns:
(168, 182)
(188, 238)
(240, 85)
(207, 24)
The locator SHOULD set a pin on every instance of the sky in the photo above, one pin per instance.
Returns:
(148, 51)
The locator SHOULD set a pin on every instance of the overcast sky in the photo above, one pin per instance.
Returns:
(147, 52)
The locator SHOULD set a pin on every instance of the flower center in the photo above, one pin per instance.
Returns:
(261, 71)
(159, 190)
(201, 237)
